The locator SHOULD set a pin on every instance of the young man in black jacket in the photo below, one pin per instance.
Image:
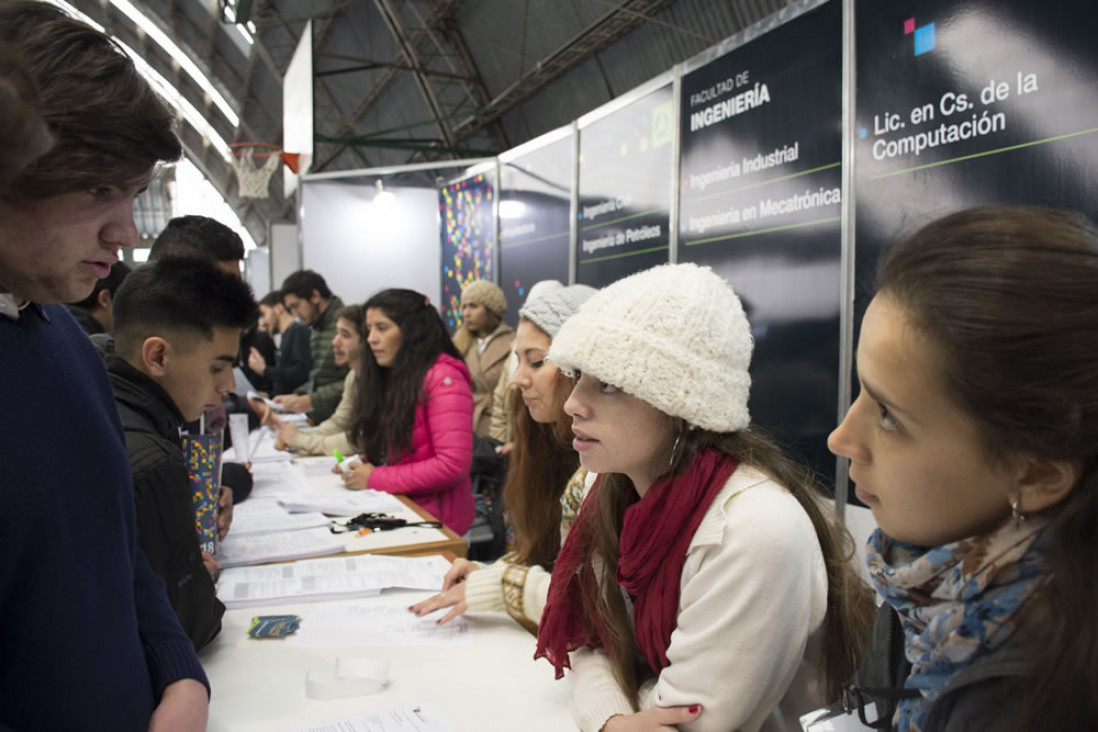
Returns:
(177, 325)
(295, 358)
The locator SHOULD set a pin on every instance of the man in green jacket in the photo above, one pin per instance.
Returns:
(306, 295)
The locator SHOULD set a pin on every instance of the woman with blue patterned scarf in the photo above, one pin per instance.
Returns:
(974, 440)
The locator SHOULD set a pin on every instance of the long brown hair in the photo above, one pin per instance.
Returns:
(541, 463)
(1010, 296)
(385, 412)
(850, 607)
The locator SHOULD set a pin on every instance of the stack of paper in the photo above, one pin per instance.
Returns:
(328, 579)
(266, 516)
(274, 480)
(280, 546)
(348, 503)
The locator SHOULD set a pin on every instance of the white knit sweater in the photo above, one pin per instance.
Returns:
(516, 589)
(748, 639)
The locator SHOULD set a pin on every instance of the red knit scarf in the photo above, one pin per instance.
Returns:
(656, 532)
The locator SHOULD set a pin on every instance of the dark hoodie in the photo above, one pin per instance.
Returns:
(162, 492)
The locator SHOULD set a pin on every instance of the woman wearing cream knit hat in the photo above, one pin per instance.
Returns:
(484, 341)
(696, 581)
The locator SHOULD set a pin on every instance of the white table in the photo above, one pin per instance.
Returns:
(491, 684)
(277, 478)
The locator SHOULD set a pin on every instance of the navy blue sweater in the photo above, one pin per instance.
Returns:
(88, 640)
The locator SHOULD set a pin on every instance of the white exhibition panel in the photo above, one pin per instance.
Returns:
(360, 245)
(257, 271)
(285, 252)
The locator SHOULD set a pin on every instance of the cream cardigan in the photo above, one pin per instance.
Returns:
(331, 434)
(749, 636)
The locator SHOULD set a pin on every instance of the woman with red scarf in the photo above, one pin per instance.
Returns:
(705, 584)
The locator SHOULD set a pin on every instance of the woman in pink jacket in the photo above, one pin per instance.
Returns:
(413, 420)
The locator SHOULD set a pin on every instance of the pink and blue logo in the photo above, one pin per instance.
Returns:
(924, 36)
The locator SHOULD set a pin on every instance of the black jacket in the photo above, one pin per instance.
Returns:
(985, 696)
(260, 341)
(162, 492)
(295, 360)
(86, 320)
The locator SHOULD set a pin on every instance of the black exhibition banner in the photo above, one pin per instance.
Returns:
(625, 190)
(966, 104)
(535, 216)
(760, 199)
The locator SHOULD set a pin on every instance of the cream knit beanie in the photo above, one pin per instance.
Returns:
(487, 294)
(549, 311)
(674, 336)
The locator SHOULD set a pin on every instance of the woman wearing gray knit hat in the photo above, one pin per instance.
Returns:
(544, 489)
(484, 341)
(705, 580)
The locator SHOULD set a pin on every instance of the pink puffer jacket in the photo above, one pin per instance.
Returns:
(435, 472)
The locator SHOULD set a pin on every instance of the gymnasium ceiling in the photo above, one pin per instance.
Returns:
(404, 81)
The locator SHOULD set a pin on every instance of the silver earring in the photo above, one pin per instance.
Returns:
(675, 450)
(1014, 512)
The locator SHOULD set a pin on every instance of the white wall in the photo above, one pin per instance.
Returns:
(360, 245)
(285, 252)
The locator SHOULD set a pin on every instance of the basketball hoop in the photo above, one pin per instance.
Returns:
(252, 179)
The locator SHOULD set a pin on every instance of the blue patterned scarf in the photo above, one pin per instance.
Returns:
(957, 603)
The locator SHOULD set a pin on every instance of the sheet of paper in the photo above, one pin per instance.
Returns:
(377, 625)
(277, 547)
(266, 516)
(326, 579)
(415, 718)
(277, 480)
(238, 430)
(347, 503)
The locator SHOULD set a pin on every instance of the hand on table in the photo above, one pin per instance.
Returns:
(452, 595)
(652, 719)
(184, 707)
(286, 433)
(357, 476)
(224, 511)
(296, 403)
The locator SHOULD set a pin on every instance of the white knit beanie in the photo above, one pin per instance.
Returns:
(674, 336)
(487, 294)
(542, 287)
(550, 310)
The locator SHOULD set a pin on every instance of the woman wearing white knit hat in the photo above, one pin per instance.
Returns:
(694, 586)
(544, 489)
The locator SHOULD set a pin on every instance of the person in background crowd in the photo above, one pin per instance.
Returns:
(413, 419)
(306, 296)
(974, 441)
(500, 429)
(206, 237)
(706, 582)
(93, 313)
(294, 359)
(484, 341)
(178, 322)
(87, 636)
(545, 483)
(201, 236)
(331, 434)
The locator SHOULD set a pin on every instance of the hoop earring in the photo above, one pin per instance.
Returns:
(1016, 514)
(674, 451)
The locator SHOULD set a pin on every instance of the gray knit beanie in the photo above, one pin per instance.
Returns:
(549, 311)
(487, 294)
(674, 336)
